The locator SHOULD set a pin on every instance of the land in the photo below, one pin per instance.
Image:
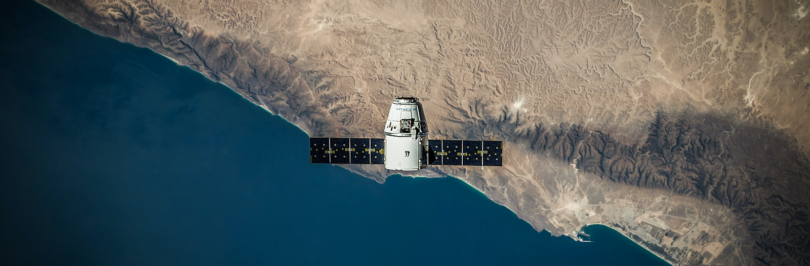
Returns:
(685, 125)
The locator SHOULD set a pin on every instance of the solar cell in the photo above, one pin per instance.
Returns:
(376, 151)
(435, 153)
(319, 150)
(452, 152)
(359, 153)
(472, 152)
(340, 150)
(493, 155)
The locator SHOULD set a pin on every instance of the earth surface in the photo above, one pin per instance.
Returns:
(685, 125)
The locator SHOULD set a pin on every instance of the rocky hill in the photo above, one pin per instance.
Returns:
(682, 124)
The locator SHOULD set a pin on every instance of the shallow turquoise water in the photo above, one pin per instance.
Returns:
(113, 155)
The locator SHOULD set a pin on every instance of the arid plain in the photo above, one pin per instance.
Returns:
(683, 124)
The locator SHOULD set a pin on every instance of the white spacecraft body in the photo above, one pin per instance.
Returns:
(406, 146)
(405, 136)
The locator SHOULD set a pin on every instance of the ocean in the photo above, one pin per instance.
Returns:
(111, 154)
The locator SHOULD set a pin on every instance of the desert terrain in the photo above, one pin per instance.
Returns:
(683, 124)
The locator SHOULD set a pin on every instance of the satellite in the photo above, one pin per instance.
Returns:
(406, 146)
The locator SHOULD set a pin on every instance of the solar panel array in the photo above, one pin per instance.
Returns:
(440, 152)
(465, 152)
(346, 150)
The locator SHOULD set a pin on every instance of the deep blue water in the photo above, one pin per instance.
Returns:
(113, 155)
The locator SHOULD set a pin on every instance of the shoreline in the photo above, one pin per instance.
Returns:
(265, 108)
(625, 236)
(411, 176)
(516, 215)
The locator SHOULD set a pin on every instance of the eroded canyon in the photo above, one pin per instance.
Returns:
(683, 124)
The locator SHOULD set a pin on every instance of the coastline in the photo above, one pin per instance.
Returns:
(621, 233)
(572, 237)
(479, 191)
(411, 176)
(507, 207)
(232, 90)
(332, 74)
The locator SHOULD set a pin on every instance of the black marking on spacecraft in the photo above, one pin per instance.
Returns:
(424, 158)
(435, 153)
(493, 153)
(319, 150)
(472, 152)
(359, 153)
(340, 150)
(377, 152)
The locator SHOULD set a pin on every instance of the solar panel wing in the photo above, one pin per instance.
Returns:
(435, 153)
(359, 152)
(340, 150)
(452, 152)
(472, 152)
(493, 153)
(376, 151)
(319, 150)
